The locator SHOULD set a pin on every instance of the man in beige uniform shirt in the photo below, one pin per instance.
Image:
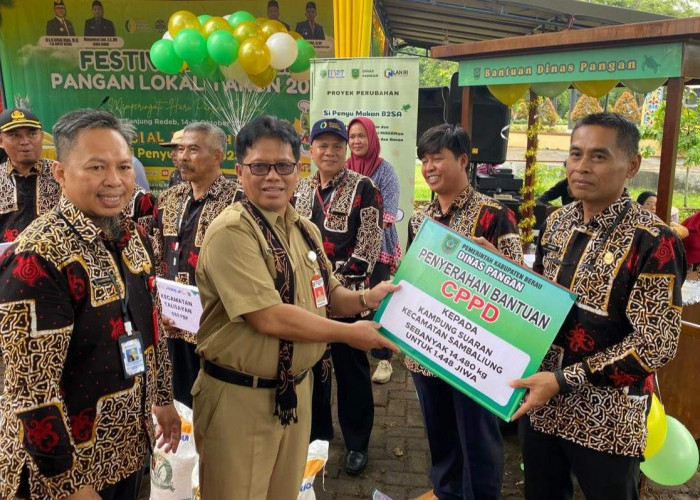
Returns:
(265, 283)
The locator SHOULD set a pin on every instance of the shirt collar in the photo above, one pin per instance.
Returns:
(434, 210)
(290, 215)
(85, 227)
(35, 169)
(214, 190)
(336, 181)
(607, 217)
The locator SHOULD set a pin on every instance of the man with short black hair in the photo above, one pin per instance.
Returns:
(98, 25)
(466, 450)
(310, 29)
(27, 186)
(586, 409)
(86, 365)
(265, 284)
(183, 215)
(273, 12)
(59, 25)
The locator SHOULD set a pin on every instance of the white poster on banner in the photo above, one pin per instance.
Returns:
(384, 89)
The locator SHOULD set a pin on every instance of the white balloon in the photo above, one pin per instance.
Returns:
(227, 16)
(283, 50)
(235, 72)
(167, 36)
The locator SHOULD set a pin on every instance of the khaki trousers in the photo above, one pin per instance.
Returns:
(244, 452)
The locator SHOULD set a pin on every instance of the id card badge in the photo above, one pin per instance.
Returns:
(131, 351)
(319, 291)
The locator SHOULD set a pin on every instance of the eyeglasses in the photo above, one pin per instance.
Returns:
(282, 168)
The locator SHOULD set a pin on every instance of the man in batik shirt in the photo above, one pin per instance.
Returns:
(27, 187)
(347, 208)
(586, 408)
(79, 331)
(466, 450)
(184, 214)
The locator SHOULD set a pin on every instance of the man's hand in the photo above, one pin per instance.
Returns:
(480, 240)
(364, 336)
(168, 428)
(375, 296)
(84, 493)
(541, 387)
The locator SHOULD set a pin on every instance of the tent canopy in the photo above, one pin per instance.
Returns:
(426, 23)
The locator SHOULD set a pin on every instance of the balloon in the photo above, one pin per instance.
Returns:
(656, 428)
(222, 47)
(247, 29)
(300, 77)
(203, 18)
(262, 20)
(240, 16)
(508, 93)
(271, 27)
(265, 78)
(644, 85)
(181, 20)
(254, 56)
(191, 46)
(306, 52)
(596, 88)
(206, 69)
(677, 460)
(164, 57)
(214, 24)
(167, 36)
(296, 35)
(235, 72)
(549, 89)
(283, 50)
(227, 17)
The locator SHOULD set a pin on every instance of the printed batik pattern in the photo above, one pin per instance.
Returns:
(623, 327)
(471, 214)
(177, 248)
(70, 417)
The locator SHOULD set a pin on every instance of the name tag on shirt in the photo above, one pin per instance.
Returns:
(131, 350)
(319, 291)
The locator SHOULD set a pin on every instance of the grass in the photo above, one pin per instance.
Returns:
(547, 176)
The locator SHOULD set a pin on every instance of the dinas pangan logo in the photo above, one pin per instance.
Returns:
(449, 244)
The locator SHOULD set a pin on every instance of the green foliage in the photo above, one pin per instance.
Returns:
(676, 8)
(433, 72)
(585, 106)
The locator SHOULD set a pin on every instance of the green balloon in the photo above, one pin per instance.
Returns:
(222, 47)
(549, 89)
(164, 57)
(205, 69)
(203, 18)
(190, 45)
(239, 16)
(644, 85)
(677, 460)
(303, 60)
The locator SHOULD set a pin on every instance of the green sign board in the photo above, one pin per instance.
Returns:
(615, 63)
(472, 317)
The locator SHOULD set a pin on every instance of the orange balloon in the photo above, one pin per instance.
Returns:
(254, 56)
(271, 27)
(596, 88)
(182, 19)
(246, 29)
(265, 78)
(296, 35)
(214, 24)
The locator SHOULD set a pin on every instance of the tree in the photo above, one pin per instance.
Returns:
(432, 72)
(585, 106)
(688, 136)
(675, 8)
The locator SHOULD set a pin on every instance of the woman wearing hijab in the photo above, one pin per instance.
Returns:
(364, 159)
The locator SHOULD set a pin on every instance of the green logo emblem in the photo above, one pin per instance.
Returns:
(323, 73)
(449, 244)
(355, 73)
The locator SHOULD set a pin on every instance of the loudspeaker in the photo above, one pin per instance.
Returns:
(489, 118)
(432, 108)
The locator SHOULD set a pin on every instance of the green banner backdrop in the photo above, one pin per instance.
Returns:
(55, 74)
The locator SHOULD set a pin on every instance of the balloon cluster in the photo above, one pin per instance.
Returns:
(671, 454)
(212, 47)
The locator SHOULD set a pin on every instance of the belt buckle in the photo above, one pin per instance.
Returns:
(255, 382)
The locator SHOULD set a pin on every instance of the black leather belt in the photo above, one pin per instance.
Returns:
(237, 378)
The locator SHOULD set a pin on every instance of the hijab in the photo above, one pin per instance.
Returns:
(367, 164)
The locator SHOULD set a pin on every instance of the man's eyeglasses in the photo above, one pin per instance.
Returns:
(282, 168)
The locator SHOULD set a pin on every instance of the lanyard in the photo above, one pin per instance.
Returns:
(325, 207)
(123, 300)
